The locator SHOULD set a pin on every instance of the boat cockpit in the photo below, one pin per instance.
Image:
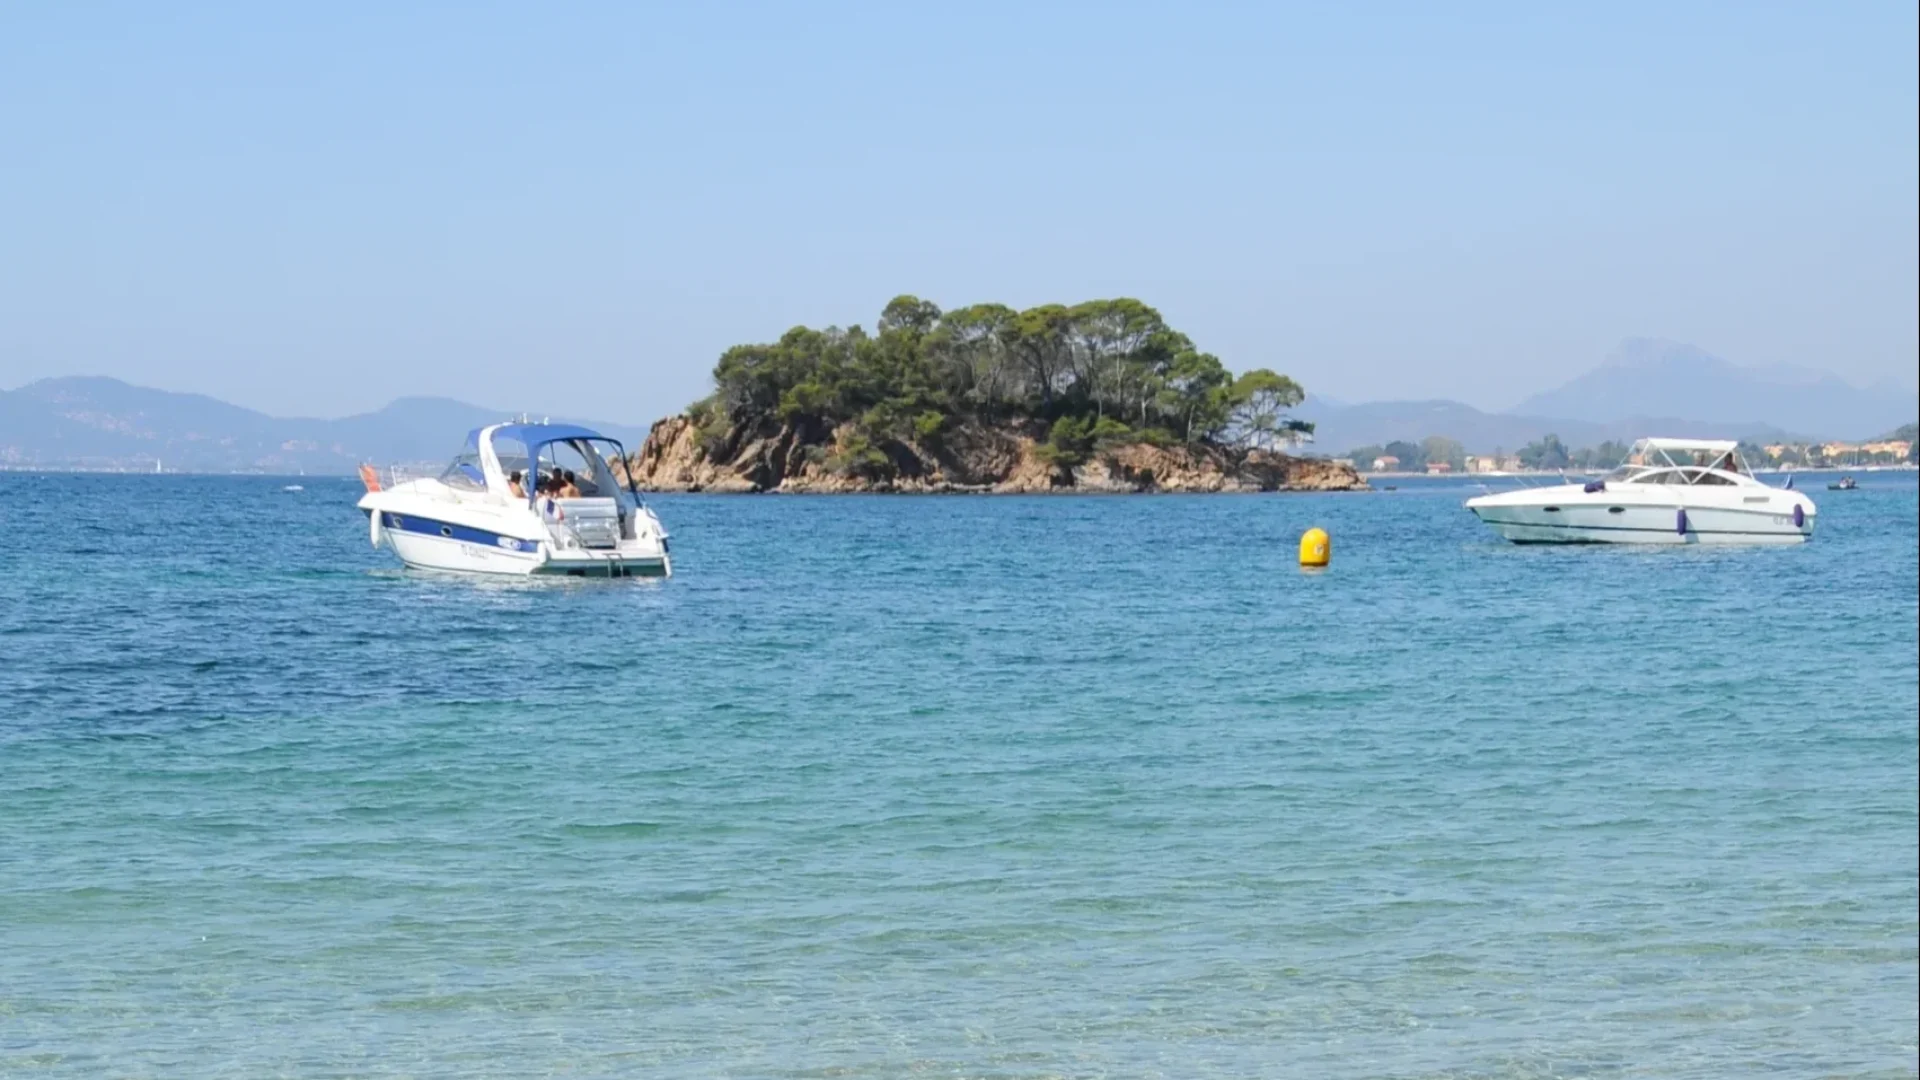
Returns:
(560, 472)
(528, 462)
(1680, 462)
(553, 461)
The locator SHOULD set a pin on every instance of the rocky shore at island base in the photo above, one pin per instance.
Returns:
(799, 457)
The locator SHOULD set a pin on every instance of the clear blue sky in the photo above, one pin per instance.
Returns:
(313, 208)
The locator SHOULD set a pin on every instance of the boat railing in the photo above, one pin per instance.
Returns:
(397, 475)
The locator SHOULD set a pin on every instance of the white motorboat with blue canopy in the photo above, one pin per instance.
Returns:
(522, 498)
(1668, 491)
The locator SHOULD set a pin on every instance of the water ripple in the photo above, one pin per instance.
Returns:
(973, 787)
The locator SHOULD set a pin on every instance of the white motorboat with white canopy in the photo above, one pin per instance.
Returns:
(1668, 491)
(521, 498)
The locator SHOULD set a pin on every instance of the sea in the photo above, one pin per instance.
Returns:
(962, 786)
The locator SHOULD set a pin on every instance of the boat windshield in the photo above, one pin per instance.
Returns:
(463, 472)
(1640, 474)
(1704, 476)
(511, 453)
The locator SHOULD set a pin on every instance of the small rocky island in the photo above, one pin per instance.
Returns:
(1096, 397)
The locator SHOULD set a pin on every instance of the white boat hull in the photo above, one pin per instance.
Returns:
(424, 543)
(1572, 515)
(1641, 525)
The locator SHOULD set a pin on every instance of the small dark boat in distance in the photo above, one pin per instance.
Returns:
(1845, 483)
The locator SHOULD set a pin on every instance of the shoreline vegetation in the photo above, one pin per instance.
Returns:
(1101, 396)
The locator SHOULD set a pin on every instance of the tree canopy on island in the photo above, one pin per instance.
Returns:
(1102, 371)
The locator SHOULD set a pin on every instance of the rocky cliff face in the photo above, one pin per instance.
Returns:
(798, 457)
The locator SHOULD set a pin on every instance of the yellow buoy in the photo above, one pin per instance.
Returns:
(1316, 547)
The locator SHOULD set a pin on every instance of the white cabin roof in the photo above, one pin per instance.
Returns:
(1711, 446)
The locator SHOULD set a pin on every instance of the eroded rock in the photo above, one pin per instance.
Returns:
(800, 458)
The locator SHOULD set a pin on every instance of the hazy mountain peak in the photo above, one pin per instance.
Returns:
(1644, 386)
(83, 388)
(60, 382)
(1644, 352)
(1656, 377)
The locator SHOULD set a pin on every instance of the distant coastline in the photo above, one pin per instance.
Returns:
(86, 424)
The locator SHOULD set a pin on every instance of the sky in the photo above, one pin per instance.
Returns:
(311, 209)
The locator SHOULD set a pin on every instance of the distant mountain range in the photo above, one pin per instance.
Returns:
(1644, 387)
(1342, 428)
(1646, 377)
(91, 422)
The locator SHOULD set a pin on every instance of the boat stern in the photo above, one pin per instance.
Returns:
(630, 559)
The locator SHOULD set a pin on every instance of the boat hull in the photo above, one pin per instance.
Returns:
(1574, 517)
(430, 544)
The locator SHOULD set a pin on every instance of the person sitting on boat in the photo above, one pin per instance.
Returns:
(513, 485)
(569, 486)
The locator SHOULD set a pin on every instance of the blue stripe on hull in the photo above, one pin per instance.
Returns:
(1641, 529)
(447, 530)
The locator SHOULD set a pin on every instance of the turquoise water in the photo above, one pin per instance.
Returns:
(979, 787)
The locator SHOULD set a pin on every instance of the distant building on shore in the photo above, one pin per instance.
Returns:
(1438, 468)
(1491, 463)
(1881, 451)
(1386, 463)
